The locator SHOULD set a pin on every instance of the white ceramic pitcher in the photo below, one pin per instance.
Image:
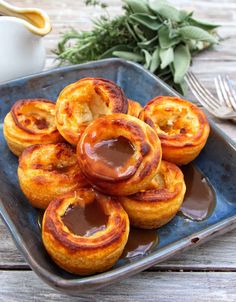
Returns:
(21, 47)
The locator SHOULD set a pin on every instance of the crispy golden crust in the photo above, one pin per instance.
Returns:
(181, 126)
(81, 102)
(79, 254)
(134, 108)
(159, 203)
(30, 122)
(46, 171)
(140, 168)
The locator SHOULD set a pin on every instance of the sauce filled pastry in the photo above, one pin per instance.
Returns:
(85, 232)
(119, 154)
(82, 102)
(47, 171)
(134, 108)
(159, 202)
(181, 126)
(30, 122)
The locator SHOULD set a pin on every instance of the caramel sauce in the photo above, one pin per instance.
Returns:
(200, 199)
(85, 221)
(114, 152)
(59, 168)
(41, 123)
(140, 242)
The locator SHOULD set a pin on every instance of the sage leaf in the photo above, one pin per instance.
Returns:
(131, 31)
(182, 87)
(148, 58)
(166, 10)
(146, 44)
(184, 15)
(126, 55)
(155, 61)
(203, 24)
(139, 32)
(147, 20)
(196, 33)
(182, 59)
(111, 50)
(166, 56)
(138, 6)
(165, 40)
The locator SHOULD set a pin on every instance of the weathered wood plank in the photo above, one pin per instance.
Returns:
(218, 254)
(148, 286)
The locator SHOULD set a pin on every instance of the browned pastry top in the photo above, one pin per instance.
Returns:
(166, 185)
(134, 108)
(119, 152)
(53, 222)
(48, 170)
(34, 116)
(178, 122)
(85, 100)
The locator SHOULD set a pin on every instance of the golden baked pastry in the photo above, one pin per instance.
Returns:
(30, 122)
(81, 102)
(84, 232)
(46, 171)
(119, 154)
(134, 108)
(181, 126)
(159, 203)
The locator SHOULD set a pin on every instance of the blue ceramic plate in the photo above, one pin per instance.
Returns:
(217, 162)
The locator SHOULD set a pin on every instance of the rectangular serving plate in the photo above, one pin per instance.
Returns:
(217, 162)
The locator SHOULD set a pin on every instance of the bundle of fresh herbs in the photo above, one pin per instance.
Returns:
(151, 32)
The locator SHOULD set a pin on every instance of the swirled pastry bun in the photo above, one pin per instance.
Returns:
(119, 154)
(181, 126)
(91, 251)
(159, 202)
(47, 171)
(82, 102)
(134, 108)
(30, 122)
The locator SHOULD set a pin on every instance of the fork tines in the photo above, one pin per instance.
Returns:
(203, 95)
(225, 91)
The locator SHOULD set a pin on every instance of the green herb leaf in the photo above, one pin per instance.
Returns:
(203, 24)
(147, 44)
(131, 31)
(182, 87)
(165, 40)
(155, 60)
(137, 6)
(182, 59)
(148, 58)
(184, 15)
(95, 3)
(146, 20)
(148, 32)
(166, 56)
(166, 10)
(139, 32)
(128, 56)
(196, 33)
(110, 52)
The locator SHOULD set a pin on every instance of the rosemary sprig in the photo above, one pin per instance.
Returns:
(153, 33)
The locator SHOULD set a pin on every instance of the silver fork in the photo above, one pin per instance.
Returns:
(225, 91)
(218, 108)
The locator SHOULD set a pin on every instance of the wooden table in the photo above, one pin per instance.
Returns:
(206, 273)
